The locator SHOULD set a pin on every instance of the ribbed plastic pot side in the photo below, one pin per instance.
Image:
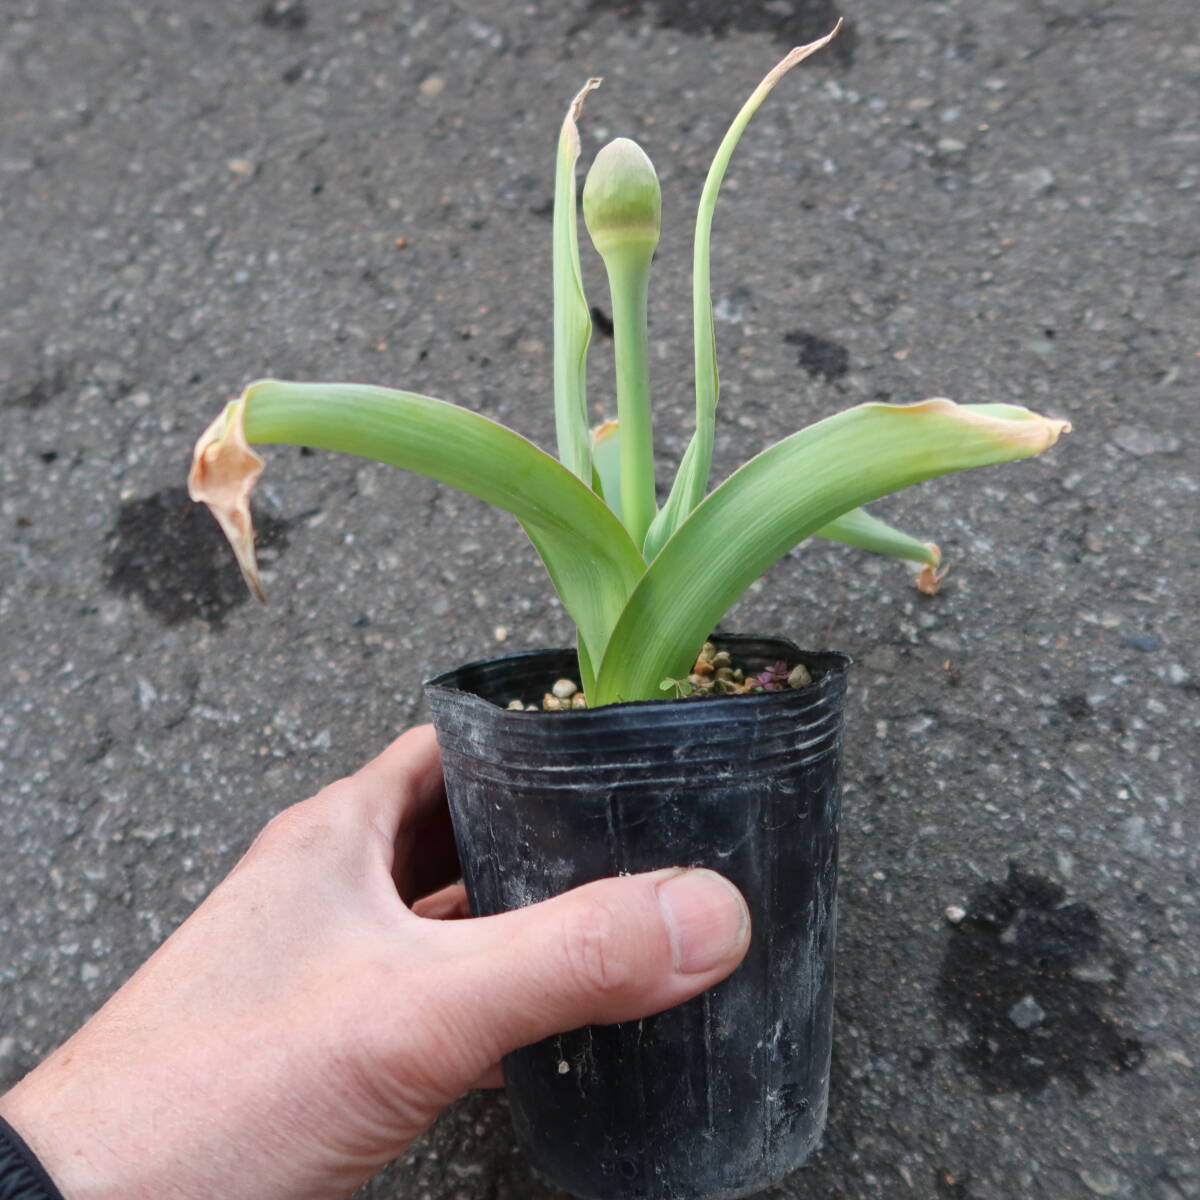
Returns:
(723, 1095)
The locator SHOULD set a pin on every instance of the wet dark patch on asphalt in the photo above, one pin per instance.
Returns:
(1036, 982)
(170, 554)
(289, 15)
(792, 23)
(821, 358)
(952, 1187)
(36, 391)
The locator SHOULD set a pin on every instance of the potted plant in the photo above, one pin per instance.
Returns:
(727, 1093)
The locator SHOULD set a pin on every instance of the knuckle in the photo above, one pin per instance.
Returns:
(293, 829)
(596, 954)
(333, 796)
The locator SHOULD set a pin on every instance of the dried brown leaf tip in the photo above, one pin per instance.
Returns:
(577, 104)
(570, 129)
(223, 475)
(930, 578)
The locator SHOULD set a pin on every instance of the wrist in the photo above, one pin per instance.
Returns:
(52, 1139)
(22, 1173)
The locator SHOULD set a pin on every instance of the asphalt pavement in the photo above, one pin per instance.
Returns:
(992, 200)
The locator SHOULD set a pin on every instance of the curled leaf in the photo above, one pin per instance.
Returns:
(1025, 432)
(691, 479)
(223, 475)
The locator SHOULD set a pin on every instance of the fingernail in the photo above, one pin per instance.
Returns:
(707, 918)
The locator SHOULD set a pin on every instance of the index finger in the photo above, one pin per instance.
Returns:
(401, 788)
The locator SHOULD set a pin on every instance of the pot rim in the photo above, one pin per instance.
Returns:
(826, 662)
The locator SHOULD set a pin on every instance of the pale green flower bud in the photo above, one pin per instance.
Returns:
(622, 202)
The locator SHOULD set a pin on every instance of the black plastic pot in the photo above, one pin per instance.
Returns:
(727, 1093)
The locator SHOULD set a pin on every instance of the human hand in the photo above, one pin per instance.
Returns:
(323, 1004)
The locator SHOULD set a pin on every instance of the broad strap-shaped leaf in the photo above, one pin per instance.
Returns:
(779, 498)
(591, 559)
(691, 479)
(572, 318)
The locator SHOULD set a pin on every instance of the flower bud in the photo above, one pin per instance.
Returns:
(622, 202)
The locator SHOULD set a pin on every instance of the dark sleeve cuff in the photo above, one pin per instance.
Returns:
(22, 1177)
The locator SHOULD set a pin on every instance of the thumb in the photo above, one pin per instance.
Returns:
(609, 951)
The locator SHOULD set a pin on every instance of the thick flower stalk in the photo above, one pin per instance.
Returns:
(622, 207)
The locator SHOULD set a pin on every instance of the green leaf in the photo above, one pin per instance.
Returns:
(591, 559)
(681, 687)
(691, 479)
(779, 498)
(859, 528)
(572, 318)
(587, 674)
(606, 464)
